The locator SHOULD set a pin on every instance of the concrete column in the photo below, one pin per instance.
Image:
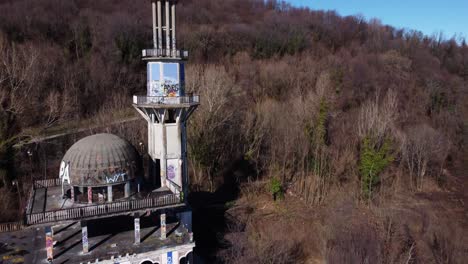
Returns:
(186, 220)
(184, 169)
(90, 195)
(72, 194)
(84, 236)
(168, 28)
(163, 226)
(159, 25)
(137, 228)
(174, 28)
(163, 160)
(190, 258)
(49, 235)
(155, 26)
(109, 193)
(127, 190)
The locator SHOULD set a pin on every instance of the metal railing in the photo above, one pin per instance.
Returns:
(78, 213)
(40, 184)
(166, 53)
(10, 227)
(165, 100)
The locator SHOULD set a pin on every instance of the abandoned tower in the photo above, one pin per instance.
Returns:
(102, 207)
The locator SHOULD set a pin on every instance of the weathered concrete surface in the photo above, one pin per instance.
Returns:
(107, 237)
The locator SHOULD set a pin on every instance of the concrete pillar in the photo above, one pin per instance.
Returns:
(72, 194)
(163, 160)
(49, 235)
(186, 220)
(163, 226)
(174, 28)
(159, 25)
(168, 28)
(84, 236)
(90, 195)
(127, 190)
(137, 228)
(109, 193)
(155, 26)
(190, 258)
(184, 169)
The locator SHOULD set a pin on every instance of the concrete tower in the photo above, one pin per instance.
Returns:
(166, 106)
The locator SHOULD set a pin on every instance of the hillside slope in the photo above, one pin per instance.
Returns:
(361, 126)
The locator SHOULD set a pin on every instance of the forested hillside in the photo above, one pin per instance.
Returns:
(358, 129)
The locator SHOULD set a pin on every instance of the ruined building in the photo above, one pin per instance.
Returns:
(102, 207)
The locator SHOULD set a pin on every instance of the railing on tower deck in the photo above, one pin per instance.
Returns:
(97, 210)
(165, 53)
(165, 100)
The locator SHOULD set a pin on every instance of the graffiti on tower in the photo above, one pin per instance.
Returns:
(163, 79)
(173, 173)
(154, 79)
(171, 79)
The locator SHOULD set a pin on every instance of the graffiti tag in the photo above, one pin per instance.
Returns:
(116, 177)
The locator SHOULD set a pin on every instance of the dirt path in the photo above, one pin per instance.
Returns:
(74, 131)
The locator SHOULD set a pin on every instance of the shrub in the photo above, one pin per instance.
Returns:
(276, 189)
(374, 159)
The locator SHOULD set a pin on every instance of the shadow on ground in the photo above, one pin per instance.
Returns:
(209, 222)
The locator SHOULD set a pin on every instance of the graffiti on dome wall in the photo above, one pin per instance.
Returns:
(118, 177)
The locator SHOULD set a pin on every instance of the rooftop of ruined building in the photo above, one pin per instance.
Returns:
(109, 237)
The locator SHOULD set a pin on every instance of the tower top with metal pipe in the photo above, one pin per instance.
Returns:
(164, 32)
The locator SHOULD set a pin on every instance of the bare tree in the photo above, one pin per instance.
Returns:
(377, 119)
(208, 131)
(17, 76)
(421, 146)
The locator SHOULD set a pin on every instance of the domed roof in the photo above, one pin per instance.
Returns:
(101, 159)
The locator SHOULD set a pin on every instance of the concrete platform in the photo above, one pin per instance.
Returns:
(108, 238)
(46, 206)
(50, 199)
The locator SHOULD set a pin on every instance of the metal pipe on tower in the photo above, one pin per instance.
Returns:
(168, 26)
(159, 25)
(174, 27)
(155, 29)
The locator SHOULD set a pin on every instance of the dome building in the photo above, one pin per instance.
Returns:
(99, 168)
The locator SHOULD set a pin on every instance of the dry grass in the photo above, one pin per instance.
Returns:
(406, 229)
